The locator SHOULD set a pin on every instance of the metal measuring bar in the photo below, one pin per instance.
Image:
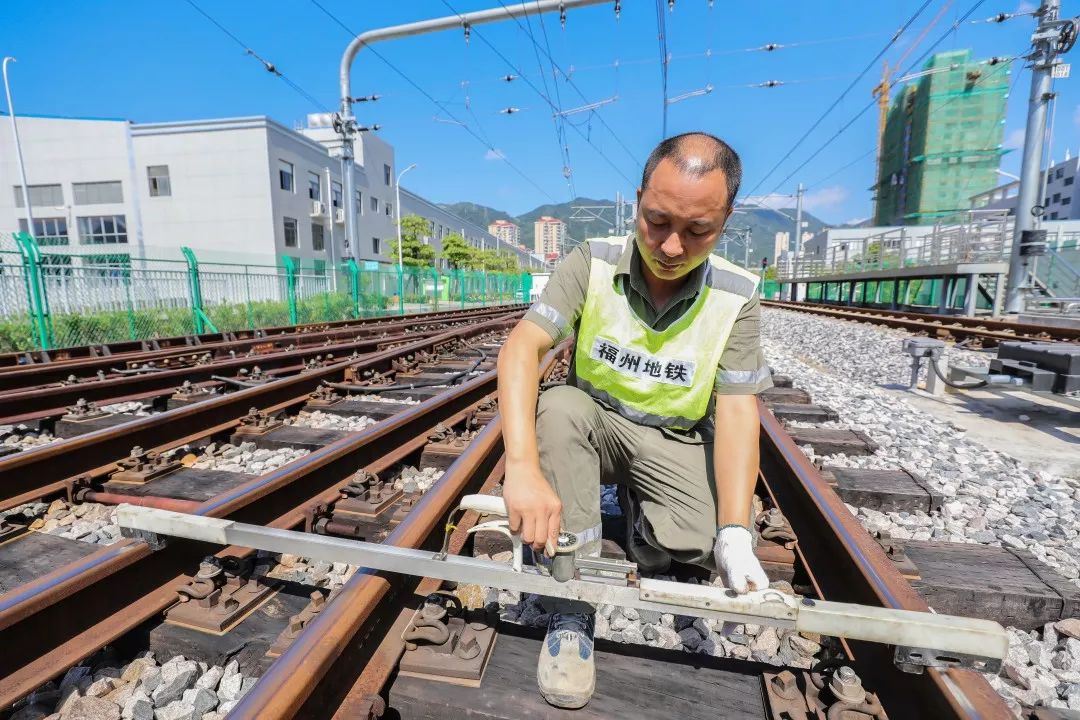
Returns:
(921, 639)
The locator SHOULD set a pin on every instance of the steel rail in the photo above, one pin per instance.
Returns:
(321, 664)
(33, 470)
(39, 617)
(985, 329)
(121, 350)
(21, 376)
(849, 566)
(54, 400)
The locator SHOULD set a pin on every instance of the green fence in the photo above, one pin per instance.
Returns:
(51, 300)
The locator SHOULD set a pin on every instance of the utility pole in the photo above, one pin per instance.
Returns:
(345, 121)
(400, 263)
(797, 244)
(18, 150)
(1052, 37)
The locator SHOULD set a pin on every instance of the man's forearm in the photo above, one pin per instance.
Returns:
(518, 369)
(735, 457)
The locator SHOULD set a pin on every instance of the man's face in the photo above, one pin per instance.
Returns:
(680, 218)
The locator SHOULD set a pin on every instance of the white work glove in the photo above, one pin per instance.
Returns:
(735, 560)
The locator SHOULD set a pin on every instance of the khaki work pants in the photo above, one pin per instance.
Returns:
(584, 444)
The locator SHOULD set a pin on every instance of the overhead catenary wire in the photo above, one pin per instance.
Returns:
(267, 65)
(867, 107)
(416, 86)
(570, 81)
(661, 29)
(840, 98)
(538, 91)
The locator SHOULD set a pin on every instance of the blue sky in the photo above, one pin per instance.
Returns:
(162, 60)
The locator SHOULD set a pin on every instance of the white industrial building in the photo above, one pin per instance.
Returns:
(245, 190)
(1061, 199)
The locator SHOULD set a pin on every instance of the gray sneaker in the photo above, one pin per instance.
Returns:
(566, 672)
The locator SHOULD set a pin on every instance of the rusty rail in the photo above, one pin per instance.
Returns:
(43, 469)
(987, 331)
(65, 616)
(271, 340)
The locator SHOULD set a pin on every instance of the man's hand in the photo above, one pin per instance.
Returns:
(736, 562)
(535, 511)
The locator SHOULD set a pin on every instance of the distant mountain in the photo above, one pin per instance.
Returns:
(763, 223)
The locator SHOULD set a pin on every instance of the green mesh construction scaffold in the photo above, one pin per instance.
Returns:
(52, 299)
(942, 140)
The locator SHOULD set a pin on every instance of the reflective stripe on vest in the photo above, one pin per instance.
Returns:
(662, 378)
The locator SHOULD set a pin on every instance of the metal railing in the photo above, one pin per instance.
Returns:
(983, 237)
(50, 299)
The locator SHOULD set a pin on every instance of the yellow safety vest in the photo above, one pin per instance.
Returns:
(662, 378)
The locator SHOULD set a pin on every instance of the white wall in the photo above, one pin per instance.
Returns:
(220, 203)
(66, 151)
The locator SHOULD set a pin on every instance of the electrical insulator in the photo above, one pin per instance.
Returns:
(618, 8)
(771, 83)
(468, 31)
(671, 6)
(510, 110)
(509, 78)
(770, 47)
(562, 16)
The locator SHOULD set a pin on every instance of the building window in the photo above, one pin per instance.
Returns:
(1059, 173)
(1068, 180)
(116, 265)
(335, 194)
(319, 267)
(47, 231)
(375, 246)
(359, 203)
(374, 204)
(290, 232)
(314, 189)
(40, 196)
(159, 181)
(1066, 201)
(318, 242)
(285, 175)
(98, 193)
(56, 265)
(1057, 197)
(389, 207)
(1053, 216)
(102, 230)
(386, 174)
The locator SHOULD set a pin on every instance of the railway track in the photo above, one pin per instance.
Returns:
(975, 332)
(37, 393)
(327, 642)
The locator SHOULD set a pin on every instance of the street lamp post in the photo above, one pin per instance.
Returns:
(400, 263)
(18, 149)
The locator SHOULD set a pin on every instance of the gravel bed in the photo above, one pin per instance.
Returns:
(761, 643)
(879, 360)
(105, 689)
(990, 497)
(381, 399)
(320, 420)
(246, 458)
(133, 407)
(24, 438)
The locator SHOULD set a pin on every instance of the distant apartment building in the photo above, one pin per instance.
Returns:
(242, 189)
(549, 235)
(942, 140)
(1061, 199)
(506, 231)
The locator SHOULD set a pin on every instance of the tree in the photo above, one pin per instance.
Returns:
(458, 253)
(414, 253)
(770, 273)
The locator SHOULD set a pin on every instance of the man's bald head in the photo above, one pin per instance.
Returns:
(697, 154)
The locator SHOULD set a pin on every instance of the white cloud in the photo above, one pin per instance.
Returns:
(1025, 7)
(815, 200)
(1015, 139)
(494, 154)
(856, 221)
